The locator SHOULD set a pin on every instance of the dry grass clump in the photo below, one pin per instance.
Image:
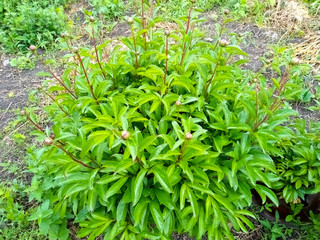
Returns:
(309, 50)
(289, 15)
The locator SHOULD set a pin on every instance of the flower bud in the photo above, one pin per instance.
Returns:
(32, 48)
(295, 61)
(137, 53)
(47, 141)
(130, 20)
(75, 50)
(188, 136)
(125, 135)
(178, 103)
(193, 1)
(167, 32)
(91, 19)
(53, 136)
(63, 35)
(39, 87)
(23, 112)
(223, 42)
(226, 11)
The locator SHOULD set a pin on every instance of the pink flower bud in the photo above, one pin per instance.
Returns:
(223, 42)
(23, 112)
(125, 135)
(47, 141)
(188, 136)
(32, 48)
(75, 50)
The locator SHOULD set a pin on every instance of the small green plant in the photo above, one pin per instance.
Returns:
(169, 134)
(13, 216)
(275, 230)
(24, 62)
(23, 23)
(108, 9)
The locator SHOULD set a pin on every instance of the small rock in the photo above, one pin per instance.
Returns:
(209, 39)
(6, 63)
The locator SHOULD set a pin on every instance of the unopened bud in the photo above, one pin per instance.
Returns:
(75, 50)
(39, 87)
(167, 32)
(226, 11)
(188, 136)
(130, 20)
(23, 112)
(32, 48)
(53, 136)
(137, 53)
(125, 135)
(91, 19)
(193, 1)
(47, 141)
(63, 35)
(178, 103)
(223, 42)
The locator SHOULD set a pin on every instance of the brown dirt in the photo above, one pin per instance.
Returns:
(17, 83)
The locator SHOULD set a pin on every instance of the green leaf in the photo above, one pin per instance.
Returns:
(116, 187)
(156, 215)
(138, 186)
(162, 178)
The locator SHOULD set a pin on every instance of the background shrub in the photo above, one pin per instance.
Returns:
(23, 23)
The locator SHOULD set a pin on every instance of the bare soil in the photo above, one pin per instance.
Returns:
(15, 86)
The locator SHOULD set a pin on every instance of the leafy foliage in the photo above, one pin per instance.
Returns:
(23, 23)
(108, 9)
(167, 134)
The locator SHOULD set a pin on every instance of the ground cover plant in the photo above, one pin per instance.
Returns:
(23, 23)
(166, 133)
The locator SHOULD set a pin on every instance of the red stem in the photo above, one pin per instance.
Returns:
(85, 73)
(189, 17)
(35, 124)
(135, 47)
(166, 70)
(95, 47)
(183, 53)
(72, 157)
(213, 74)
(53, 99)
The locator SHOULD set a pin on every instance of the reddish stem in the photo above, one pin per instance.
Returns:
(85, 73)
(166, 70)
(72, 157)
(35, 124)
(257, 103)
(143, 25)
(135, 47)
(54, 100)
(183, 53)
(95, 48)
(213, 74)
(189, 17)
